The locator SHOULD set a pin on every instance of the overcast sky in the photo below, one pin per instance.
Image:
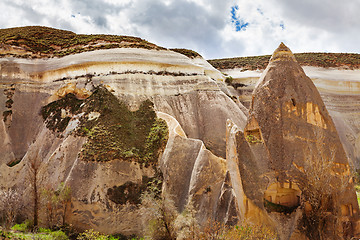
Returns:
(214, 28)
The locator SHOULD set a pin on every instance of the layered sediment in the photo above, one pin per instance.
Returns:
(42, 124)
(109, 123)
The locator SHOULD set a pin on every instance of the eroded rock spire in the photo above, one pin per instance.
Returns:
(291, 160)
(282, 53)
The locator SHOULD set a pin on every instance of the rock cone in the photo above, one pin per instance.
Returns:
(293, 169)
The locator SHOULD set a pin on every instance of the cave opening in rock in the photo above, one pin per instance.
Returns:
(282, 197)
(252, 132)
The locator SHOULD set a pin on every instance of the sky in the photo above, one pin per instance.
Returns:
(214, 28)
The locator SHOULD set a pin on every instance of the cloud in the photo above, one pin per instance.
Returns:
(214, 28)
(180, 24)
(326, 15)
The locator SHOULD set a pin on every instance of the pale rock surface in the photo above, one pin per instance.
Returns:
(194, 175)
(186, 92)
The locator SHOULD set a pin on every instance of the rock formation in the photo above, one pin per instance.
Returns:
(288, 168)
(59, 115)
(109, 123)
(339, 89)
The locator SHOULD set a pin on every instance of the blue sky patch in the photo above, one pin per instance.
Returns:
(240, 24)
(282, 25)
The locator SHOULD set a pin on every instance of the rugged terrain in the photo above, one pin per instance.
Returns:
(336, 76)
(61, 119)
(119, 114)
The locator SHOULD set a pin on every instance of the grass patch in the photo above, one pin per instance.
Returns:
(23, 232)
(38, 41)
(22, 227)
(52, 235)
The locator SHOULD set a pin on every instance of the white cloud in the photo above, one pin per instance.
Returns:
(202, 25)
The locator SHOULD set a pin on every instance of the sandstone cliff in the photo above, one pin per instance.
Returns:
(51, 116)
(108, 123)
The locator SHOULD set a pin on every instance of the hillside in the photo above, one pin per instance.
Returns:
(325, 60)
(40, 42)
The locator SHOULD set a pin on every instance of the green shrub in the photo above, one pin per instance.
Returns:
(55, 203)
(22, 227)
(252, 139)
(59, 235)
(44, 230)
(229, 80)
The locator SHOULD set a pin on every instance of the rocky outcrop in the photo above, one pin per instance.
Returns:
(133, 75)
(52, 121)
(109, 123)
(289, 165)
(338, 87)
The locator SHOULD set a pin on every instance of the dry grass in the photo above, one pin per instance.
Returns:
(37, 41)
(40, 42)
(326, 60)
(187, 52)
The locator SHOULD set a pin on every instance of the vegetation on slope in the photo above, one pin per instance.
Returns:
(114, 132)
(37, 41)
(25, 231)
(326, 60)
(187, 52)
(54, 112)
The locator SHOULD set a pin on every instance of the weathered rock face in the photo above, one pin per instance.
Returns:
(289, 165)
(339, 89)
(105, 194)
(89, 120)
(133, 75)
